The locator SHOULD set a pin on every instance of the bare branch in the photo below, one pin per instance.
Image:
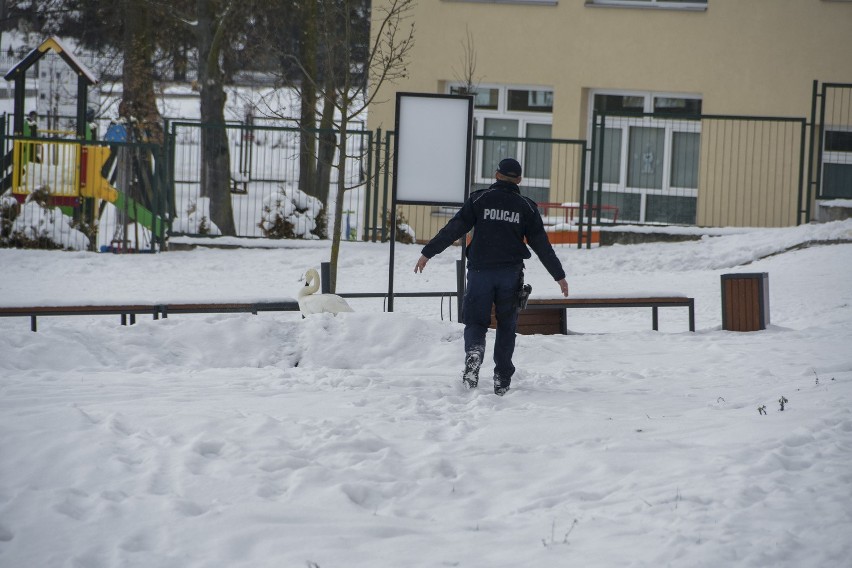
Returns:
(219, 35)
(169, 8)
(467, 77)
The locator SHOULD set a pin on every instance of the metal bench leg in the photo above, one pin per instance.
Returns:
(692, 315)
(33, 325)
(655, 320)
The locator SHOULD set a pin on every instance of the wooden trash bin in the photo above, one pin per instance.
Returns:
(745, 301)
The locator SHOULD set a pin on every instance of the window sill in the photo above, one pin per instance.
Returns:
(638, 6)
(444, 211)
(520, 2)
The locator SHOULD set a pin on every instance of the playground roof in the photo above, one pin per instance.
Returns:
(39, 52)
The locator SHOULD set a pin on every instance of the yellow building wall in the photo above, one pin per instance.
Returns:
(755, 57)
(750, 177)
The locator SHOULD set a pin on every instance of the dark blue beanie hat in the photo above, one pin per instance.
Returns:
(509, 167)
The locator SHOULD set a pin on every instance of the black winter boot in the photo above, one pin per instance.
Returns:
(472, 362)
(501, 386)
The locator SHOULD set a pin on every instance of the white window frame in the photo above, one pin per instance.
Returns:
(524, 118)
(624, 123)
(828, 157)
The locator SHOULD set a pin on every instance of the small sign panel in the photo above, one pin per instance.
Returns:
(433, 148)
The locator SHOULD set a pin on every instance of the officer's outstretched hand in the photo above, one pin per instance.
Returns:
(421, 264)
(563, 284)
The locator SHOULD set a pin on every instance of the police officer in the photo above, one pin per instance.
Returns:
(502, 218)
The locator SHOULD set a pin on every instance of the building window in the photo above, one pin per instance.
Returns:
(537, 155)
(507, 117)
(495, 150)
(837, 164)
(619, 103)
(642, 103)
(677, 105)
(530, 100)
(484, 98)
(650, 149)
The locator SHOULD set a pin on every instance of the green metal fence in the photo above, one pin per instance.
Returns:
(376, 227)
(267, 174)
(831, 111)
(60, 192)
(553, 177)
(705, 170)
(693, 170)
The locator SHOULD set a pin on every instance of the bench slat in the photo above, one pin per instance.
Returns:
(615, 301)
(156, 310)
(533, 320)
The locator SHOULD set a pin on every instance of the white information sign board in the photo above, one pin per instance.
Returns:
(433, 148)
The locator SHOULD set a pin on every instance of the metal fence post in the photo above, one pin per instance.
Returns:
(811, 148)
(820, 144)
(460, 282)
(376, 185)
(325, 277)
(807, 204)
(587, 194)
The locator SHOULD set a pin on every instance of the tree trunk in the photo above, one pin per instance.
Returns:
(308, 122)
(341, 87)
(325, 156)
(138, 106)
(215, 152)
(339, 198)
(138, 71)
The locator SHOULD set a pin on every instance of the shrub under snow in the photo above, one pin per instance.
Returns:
(290, 213)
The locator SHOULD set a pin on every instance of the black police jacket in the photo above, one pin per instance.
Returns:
(502, 219)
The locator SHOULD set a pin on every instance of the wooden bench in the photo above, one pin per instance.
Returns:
(549, 316)
(128, 312)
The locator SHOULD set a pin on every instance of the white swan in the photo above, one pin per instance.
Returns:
(311, 303)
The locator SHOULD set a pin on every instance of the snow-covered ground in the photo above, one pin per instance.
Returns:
(271, 441)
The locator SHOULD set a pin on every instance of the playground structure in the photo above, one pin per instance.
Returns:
(69, 170)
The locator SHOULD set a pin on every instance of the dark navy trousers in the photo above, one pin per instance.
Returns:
(487, 287)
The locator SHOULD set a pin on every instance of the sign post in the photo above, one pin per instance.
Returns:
(431, 166)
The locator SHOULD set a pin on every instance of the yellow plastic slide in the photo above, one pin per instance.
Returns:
(92, 183)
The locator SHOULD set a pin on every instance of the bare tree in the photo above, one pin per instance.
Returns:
(308, 120)
(211, 20)
(125, 30)
(138, 43)
(330, 62)
(344, 87)
(467, 75)
(209, 27)
(288, 30)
